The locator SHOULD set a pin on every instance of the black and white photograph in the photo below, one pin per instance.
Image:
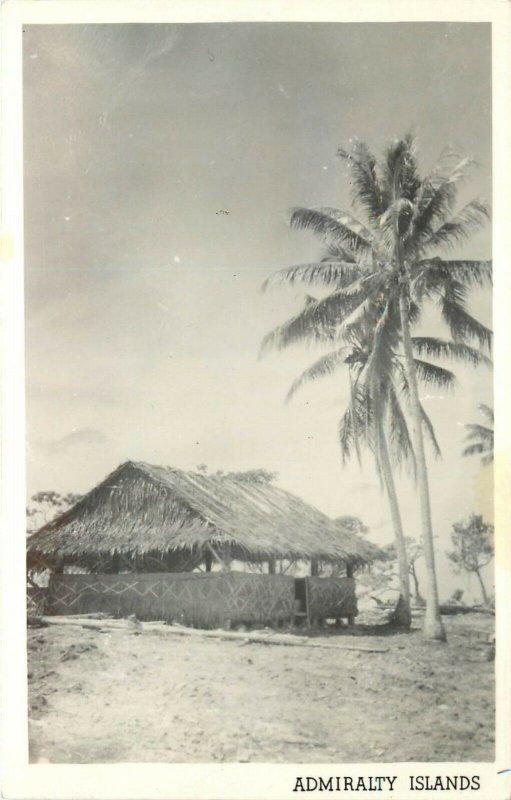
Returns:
(259, 398)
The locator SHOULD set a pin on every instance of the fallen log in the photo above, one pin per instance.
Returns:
(85, 622)
(178, 630)
(448, 609)
(261, 638)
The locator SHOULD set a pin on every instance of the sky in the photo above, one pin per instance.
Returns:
(161, 162)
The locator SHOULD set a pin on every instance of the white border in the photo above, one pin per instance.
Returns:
(141, 782)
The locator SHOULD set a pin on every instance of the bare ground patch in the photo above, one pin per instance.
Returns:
(119, 697)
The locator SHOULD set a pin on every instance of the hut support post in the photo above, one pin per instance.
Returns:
(272, 566)
(223, 558)
(115, 563)
(313, 621)
(208, 560)
(226, 558)
(126, 560)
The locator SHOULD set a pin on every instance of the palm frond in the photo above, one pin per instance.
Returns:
(400, 441)
(337, 229)
(356, 426)
(354, 405)
(487, 412)
(366, 191)
(474, 449)
(440, 348)
(357, 319)
(316, 322)
(398, 216)
(378, 368)
(450, 165)
(428, 426)
(364, 284)
(346, 435)
(480, 438)
(324, 366)
(431, 278)
(414, 313)
(462, 325)
(399, 171)
(482, 447)
(433, 375)
(348, 221)
(470, 274)
(433, 204)
(336, 253)
(479, 432)
(438, 192)
(324, 273)
(460, 227)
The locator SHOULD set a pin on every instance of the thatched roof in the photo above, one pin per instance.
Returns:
(141, 509)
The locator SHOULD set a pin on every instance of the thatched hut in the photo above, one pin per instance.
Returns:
(160, 542)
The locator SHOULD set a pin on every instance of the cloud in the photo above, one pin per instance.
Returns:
(84, 437)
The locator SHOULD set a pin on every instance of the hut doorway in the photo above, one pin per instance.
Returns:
(301, 601)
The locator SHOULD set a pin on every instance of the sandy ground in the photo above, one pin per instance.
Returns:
(121, 697)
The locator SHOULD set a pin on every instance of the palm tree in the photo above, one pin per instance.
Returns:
(480, 437)
(389, 266)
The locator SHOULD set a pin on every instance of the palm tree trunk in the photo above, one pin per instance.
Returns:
(483, 587)
(433, 625)
(402, 614)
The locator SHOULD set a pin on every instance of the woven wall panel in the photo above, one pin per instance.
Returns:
(37, 600)
(330, 598)
(203, 600)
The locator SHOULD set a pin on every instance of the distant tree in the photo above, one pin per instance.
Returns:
(353, 524)
(479, 438)
(45, 506)
(473, 548)
(415, 551)
(260, 476)
(383, 574)
(248, 476)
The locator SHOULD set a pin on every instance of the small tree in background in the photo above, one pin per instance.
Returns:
(384, 574)
(381, 577)
(473, 548)
(260, 476)
(414, 551)
(45, 506)
(353, 524)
